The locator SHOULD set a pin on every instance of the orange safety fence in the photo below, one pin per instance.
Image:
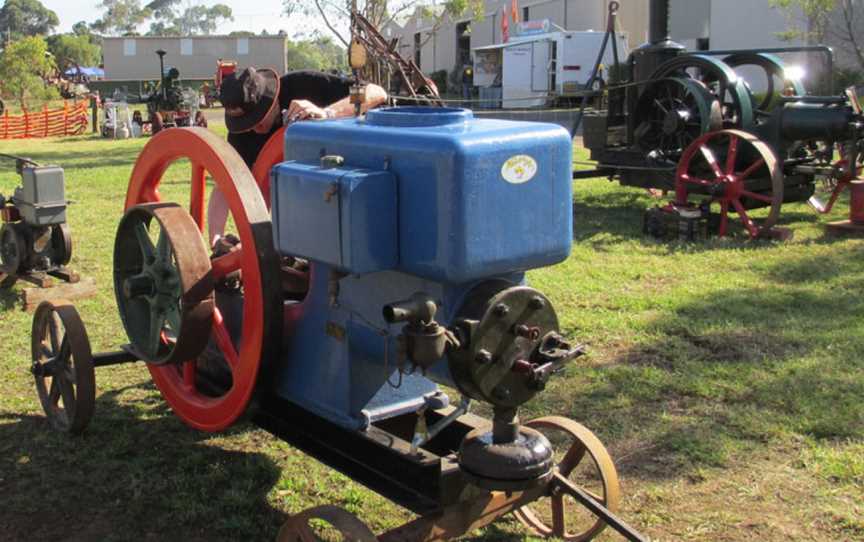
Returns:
(64, 121)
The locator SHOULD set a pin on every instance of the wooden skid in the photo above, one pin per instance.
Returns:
(33, 296)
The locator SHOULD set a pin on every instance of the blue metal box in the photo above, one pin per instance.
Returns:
(476, 197)
(341, 217)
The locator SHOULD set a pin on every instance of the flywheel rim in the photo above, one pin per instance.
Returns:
(584, 443)
(257, 261)
(297, 529)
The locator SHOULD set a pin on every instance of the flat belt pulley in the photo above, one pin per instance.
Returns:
(735, 100)
(189, 393)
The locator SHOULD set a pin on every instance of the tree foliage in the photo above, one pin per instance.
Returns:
(121, 17)
(320, 53)
(72, 50)
(841, 21)
(20, 18)
(24, 66)
(186, 17)
(336, 13)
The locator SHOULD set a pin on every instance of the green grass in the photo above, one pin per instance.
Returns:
(726, 378)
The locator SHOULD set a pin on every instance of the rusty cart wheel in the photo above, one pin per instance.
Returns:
(63, 366)
(249, 338)
(737, 170)
(583, 459)
(163, 283)
(329, 523)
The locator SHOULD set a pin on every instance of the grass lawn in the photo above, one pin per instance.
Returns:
(726, 378)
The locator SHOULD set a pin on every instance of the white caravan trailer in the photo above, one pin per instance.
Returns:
(536, 69)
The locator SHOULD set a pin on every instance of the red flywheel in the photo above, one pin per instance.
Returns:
(737, 170)
(254, 260)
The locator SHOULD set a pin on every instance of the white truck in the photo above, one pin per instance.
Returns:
(540, 68)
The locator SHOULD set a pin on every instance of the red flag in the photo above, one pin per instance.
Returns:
(505, 25)
(514, 11)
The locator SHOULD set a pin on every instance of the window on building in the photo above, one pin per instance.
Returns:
(242, 46)
(129, 48)
(526, 14)
(186, 47)
(417, 38)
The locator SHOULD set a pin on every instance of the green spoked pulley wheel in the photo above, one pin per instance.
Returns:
(736, 103)
(163, 283)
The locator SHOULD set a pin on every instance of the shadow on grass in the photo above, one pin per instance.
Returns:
(130, 478)
(735, 369)
(10, 298)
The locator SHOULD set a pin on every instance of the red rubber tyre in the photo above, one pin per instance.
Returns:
(255, 258)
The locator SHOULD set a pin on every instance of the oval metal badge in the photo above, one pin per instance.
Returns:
(519, 169)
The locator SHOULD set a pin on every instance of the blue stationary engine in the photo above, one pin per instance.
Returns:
(418, 225)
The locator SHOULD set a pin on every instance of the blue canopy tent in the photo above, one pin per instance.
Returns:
(93, 73)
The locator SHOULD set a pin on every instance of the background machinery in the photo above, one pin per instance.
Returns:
(692, 124)
(378, 258)
(35, 240)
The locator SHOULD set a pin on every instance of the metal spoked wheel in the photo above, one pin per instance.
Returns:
(325, 524)
(63, 366)
(163, 283)
(736, 103)
(251, 266)
(776, 80)
(737, 170)
(672, 113)
(583, 459)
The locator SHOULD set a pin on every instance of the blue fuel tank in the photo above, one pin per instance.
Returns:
(407, 200)
(473, 198)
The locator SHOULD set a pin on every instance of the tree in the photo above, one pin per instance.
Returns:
(840, 20)
(815, 13)
(24, 66)
(19, 18)
(121, 17)
(186, 17)
(336, 13)
(73, 51)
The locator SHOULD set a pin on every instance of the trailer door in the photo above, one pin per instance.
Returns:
(541, 65)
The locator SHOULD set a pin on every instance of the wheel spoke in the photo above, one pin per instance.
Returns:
(163, 247)
(54, 333)
(745, 218)
(558, 525)
(196, 204)
(695, 180)
(711, 159)
(752, 169)
(54, 390)
(154, 332)
(732, 154)
(724, 218)
(227, 264)
(67, 391)
(223, 340)
(172, 316)
(148, 251)
(754, 195)
(572, 459)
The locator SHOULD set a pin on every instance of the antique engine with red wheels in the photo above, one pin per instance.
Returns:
(363, 262)
(730, 129)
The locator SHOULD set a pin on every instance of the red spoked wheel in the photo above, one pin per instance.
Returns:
(254, 260)
(271, 154)
(737, 170)
(839, 181)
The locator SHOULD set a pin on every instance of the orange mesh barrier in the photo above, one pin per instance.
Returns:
(67, 120)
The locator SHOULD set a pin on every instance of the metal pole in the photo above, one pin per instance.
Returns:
(658, 26)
